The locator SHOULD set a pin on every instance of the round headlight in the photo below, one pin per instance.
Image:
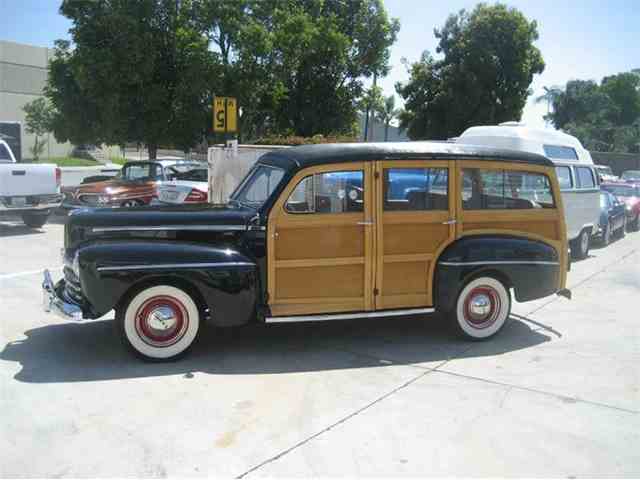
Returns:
(627, 206)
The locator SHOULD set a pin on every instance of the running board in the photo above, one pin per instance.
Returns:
(346, 316)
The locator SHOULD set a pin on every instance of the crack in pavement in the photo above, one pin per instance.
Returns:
(333, 425)
(541, 392)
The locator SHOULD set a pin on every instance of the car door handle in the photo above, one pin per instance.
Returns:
(365, 223)
(450, 222)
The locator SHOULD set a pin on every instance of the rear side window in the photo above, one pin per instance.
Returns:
(560, 153)
(564, 177)
(330, 192)
(416, 189)
(585, 177)
(505, 189)
(4, 154)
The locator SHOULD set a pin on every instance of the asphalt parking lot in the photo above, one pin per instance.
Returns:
(556, 393)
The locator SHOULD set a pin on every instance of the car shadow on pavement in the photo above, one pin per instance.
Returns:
(92, 351)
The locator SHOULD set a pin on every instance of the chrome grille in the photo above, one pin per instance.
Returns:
(89, 199)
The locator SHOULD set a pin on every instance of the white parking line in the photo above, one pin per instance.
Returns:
(24, 274)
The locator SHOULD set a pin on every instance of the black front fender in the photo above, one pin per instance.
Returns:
(224, 280)
(530, 267)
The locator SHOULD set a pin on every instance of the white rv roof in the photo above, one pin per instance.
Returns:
(520, 137)
(543, 135)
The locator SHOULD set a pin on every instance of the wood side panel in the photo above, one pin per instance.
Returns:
(321, 282)
(323, 242)
(408, 242)
(320, 262)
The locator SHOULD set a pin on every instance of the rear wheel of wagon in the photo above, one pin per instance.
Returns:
(482, 308)
(159, 323)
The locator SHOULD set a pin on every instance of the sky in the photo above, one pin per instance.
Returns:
(579, 39)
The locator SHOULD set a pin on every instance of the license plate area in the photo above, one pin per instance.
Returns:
(169, 196)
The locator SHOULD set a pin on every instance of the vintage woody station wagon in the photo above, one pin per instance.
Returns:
(326, 232)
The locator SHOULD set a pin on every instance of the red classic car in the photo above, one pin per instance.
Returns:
(630, 195)
(135, 185)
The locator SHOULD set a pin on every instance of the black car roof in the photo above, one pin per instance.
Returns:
(296, 158)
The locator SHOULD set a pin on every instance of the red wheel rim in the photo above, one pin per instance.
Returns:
(481, 307)
(161, 321)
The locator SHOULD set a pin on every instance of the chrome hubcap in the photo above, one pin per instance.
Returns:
(480, 305)
(162, 319)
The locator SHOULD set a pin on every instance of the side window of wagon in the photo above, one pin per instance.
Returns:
(328, 192)
(564, 177)
(505, 189)
(416, 189)
(585, 177)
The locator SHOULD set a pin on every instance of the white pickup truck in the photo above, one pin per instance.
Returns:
(30, 191)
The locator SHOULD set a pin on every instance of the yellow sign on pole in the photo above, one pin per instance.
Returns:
(225, 115)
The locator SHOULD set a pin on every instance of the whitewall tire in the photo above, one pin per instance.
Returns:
(482, 308)
(160, 322)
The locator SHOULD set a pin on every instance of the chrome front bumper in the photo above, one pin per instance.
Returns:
(53, 302)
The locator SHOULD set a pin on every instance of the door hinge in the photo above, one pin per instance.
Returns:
(375, 292)
(376, 175)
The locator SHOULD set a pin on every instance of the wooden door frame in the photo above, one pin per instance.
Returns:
(444, 215)
(278, 214)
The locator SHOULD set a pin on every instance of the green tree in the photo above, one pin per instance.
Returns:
(605, 116)
(370, 104)
(548, 97)
(297, 66)
(135, 72)
(38, 117)
(489, 60)
(387, 112)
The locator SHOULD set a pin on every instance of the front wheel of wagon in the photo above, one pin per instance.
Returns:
(159, 322)
(482, 308)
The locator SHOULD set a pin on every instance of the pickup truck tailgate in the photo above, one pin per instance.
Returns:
(27, 179)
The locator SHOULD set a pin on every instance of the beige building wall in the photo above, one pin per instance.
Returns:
(23, 75)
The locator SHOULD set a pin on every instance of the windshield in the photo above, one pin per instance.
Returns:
(622, 190)
(5, 157)
(258, 186)
(631, 175)
(605, 170)
(141, 171)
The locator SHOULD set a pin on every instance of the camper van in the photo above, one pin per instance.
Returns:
(574, 168)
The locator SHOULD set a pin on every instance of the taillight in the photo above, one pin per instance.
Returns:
(196, 196)
(58, 177)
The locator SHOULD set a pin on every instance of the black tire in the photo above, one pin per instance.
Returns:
(606, 234)
(635, 225)
(487, 294)
(580, 246)
(35, 220)
(159, 323)
(623, 229)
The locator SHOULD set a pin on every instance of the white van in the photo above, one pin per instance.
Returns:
(574, 167)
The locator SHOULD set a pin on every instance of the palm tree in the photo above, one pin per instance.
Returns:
(386, 113)
(550, 95)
